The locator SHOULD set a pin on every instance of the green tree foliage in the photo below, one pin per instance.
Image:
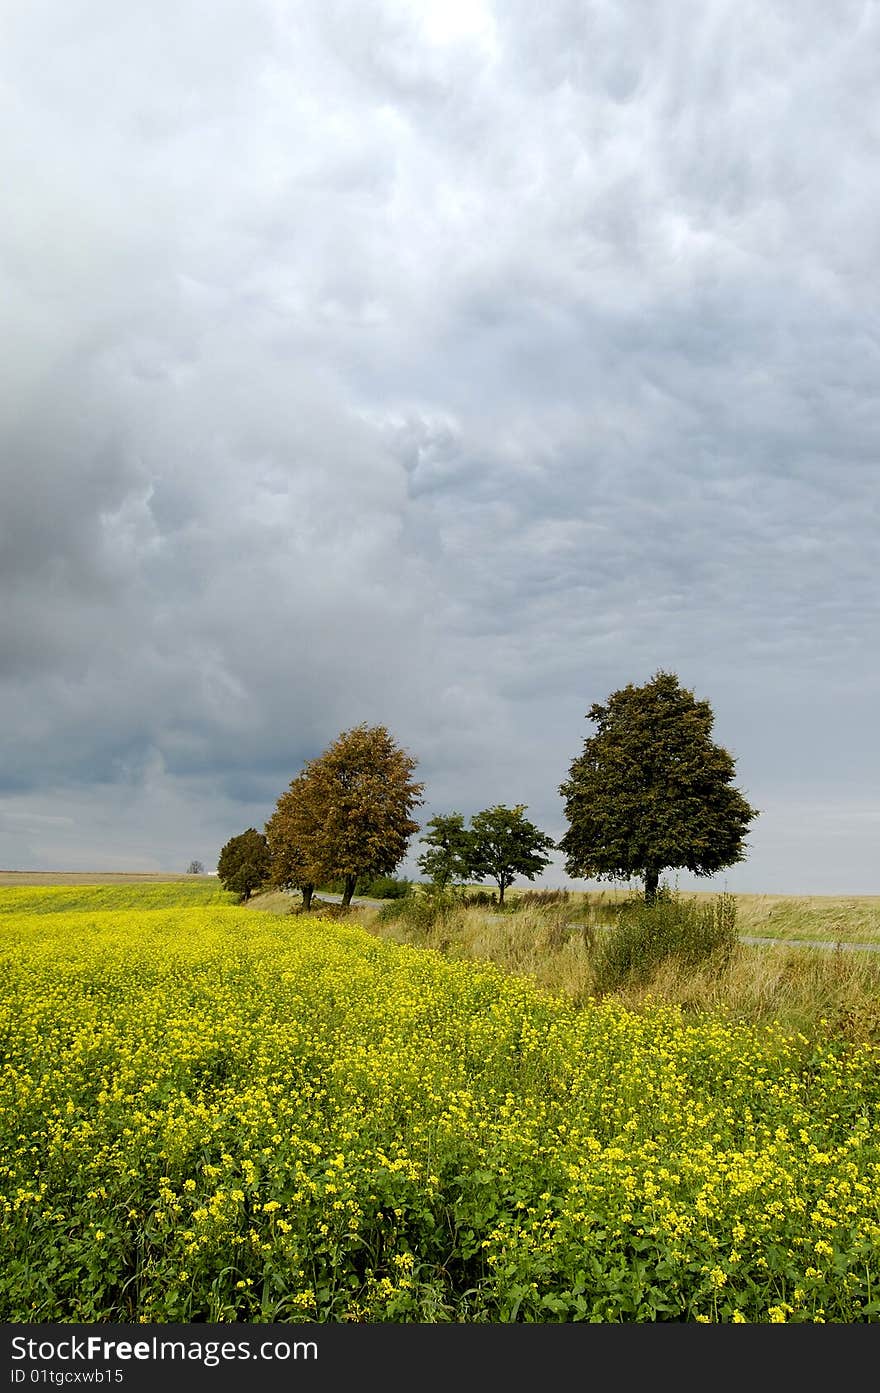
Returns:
(651, 790)
(447, 860)
(244, 863)
(504, 844)
(348, 812)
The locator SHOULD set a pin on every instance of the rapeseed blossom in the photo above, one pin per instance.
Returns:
(213, 1114)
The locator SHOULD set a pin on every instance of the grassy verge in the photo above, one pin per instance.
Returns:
(831, 918)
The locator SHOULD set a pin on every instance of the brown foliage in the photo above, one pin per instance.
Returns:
(348, 813)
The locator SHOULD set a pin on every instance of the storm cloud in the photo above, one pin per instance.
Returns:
(445, 365)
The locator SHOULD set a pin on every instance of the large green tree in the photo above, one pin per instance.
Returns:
(652, 791)
(504, 844)
(447, 858)
(244, 863)
(354, 803)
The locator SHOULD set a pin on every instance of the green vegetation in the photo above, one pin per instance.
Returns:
(446, 860)
(651, 791)
(214, 1114)
(244, 863)
(565, 943)
(833, 918)
(500, 843)
(379, 887)
(504, 844)
(66, 899)
(646, 936)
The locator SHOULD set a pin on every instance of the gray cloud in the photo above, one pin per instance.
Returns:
(446, 366)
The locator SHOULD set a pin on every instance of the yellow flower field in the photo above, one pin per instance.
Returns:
(214, 1114)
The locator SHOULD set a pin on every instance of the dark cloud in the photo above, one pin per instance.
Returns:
(446, 366)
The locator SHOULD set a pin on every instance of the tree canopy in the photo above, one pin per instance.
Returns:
(504, 844)
(244, 863)
(652, 791)
(292, 834)
(348, 813)
(447, 860)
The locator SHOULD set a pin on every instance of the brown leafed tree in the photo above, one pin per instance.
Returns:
(292, 834)
(348, 814)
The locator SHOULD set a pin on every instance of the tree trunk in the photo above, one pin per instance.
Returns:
(307, 893)
(501, 896)
(652, 877)
(350, 881)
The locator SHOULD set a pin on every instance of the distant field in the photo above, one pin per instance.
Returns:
(61, 899)
(97, 877)
(841, 919)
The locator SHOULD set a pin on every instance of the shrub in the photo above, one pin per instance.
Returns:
(385, 887)
(380, 887)
(418, 914)
(647, 935)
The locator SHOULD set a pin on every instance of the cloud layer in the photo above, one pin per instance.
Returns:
(441, 365)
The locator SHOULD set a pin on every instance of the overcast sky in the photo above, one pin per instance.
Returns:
(440, 364)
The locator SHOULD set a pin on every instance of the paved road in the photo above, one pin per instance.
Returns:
(337, 899)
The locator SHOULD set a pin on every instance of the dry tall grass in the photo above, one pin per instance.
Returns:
(836, 918)
(810, 990)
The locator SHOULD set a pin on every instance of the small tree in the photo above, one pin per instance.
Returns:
(195, 868)
(355, 801)
(447, 860)
(651, 791)
(244, 863)
(504, 844)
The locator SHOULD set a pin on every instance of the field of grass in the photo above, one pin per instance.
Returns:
(835, 918)
(129, 878)
(832, 918)
(211, 1113)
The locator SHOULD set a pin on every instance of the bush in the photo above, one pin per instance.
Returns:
(381, 887)
(647, 935)
(481, 898)
(420, 913)
(385, 887)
